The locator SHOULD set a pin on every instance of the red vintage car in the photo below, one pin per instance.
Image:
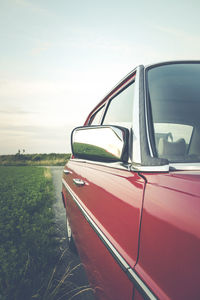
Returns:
(132, 186)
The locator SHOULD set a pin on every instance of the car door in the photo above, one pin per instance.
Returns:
(107, 223)
(170, 235)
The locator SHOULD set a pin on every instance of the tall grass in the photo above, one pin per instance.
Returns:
(61, 287)
(27, 231)
(29, 250)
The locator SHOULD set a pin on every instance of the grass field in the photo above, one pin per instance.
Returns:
(52, 159)
(28, 248)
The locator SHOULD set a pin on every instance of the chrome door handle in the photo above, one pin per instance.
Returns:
(78, 182)
(66, 172)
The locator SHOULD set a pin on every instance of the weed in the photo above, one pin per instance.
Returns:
(28, 248)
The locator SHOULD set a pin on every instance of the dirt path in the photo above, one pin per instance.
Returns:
(78, 277)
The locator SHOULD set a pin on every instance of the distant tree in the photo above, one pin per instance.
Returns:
(23, 150)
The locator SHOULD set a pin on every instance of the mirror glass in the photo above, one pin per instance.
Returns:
(104, 143)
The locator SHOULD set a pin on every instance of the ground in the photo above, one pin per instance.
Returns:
(79, 277)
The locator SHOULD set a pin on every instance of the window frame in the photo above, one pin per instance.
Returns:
(102, 107)
(109, 101)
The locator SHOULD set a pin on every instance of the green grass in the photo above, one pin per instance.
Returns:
(28, 248)
(52, 159)
(32, 262)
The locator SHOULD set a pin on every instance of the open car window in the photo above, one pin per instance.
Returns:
(174, 93)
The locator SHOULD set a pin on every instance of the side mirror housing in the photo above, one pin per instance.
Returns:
(100, 143)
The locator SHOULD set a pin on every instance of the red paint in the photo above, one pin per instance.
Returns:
(170, 231)
(137, 295)
(103, 272)
(113, 198)
(169, 243)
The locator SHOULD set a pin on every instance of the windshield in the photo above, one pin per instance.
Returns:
(174, 93)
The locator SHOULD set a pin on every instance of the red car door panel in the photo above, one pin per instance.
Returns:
(100, 265)
(114, 201)
(116, 211)
(171, 229)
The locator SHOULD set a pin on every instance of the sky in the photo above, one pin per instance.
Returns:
(58, 59)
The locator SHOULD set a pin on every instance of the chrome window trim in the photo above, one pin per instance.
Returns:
(151, 169)
(126, 167)
(103, 107)
(172, 62)
(185, 166)
(121, 85)
(136, 150)
(114, 165)
(139, 168)
(121, 88)
(133, 276)
(146, 114)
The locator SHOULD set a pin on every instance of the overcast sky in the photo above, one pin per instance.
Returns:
(59, 58)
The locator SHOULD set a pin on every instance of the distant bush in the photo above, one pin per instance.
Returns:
(28, 248)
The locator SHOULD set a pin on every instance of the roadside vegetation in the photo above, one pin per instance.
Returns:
(52, 159)
(28, 249)
(31, 265)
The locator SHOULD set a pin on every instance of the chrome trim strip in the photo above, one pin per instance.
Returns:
(141, 285)
(159, 169)
(126, 167)
(166, 168)
(169, 62)
(136, 152)
(133, 276)
(185, 166)
(115, 165)
(146, 117)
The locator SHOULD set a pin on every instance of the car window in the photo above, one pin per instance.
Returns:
(172, 133)
(96, 117)
(120, 109)
(174, 94)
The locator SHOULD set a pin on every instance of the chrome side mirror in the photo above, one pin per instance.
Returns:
(100, 143)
